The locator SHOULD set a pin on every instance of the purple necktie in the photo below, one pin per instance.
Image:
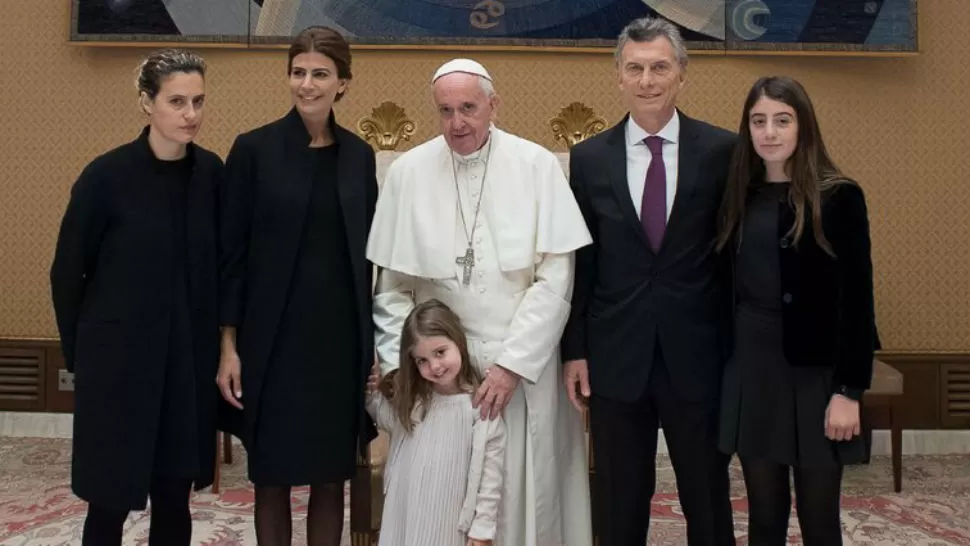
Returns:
(653, 208)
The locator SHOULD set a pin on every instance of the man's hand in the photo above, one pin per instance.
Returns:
(842, 420)
(576, 378)
(495, 391)
(386, 385)
(374, 379)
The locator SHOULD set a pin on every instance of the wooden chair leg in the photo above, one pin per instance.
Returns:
(896, 441)
(218, 469)
(361, 533)
(227, 447)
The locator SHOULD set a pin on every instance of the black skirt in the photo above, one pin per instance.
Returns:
(773, 411)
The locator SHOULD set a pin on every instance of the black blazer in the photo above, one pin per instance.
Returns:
(112, 290)
(266, 166)
(628, 299)
(827, 303)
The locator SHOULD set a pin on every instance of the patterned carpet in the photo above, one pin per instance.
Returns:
(38, 509)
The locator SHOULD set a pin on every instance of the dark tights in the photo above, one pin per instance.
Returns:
(171, 522)
(325, 515)
(817, 493)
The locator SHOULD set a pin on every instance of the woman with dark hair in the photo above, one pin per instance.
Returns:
(297, 339)
(134, 287)
(798, 233)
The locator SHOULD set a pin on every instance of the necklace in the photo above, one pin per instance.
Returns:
(467, 261)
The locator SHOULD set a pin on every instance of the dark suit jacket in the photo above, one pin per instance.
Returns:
(268, 183)
(827, 313)
(627, 299)
(112, 289)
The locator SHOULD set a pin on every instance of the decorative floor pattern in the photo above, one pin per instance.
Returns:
(37, 507)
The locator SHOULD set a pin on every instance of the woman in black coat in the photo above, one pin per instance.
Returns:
(297, 337)
(798, 233)
(134, 286)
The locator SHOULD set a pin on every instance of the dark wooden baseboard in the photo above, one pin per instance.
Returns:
(936, 385)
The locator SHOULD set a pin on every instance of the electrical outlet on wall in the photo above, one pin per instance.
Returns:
(65, 380)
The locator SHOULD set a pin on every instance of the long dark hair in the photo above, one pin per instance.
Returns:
(411, 391)
(810, 167)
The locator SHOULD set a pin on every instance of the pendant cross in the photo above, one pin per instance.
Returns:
(467, 262)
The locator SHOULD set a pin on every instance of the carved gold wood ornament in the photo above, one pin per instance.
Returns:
(386, 126)
(575, 123)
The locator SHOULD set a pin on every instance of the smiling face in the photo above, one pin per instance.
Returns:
(438, 360)
(774, 132)
(650, 78)
(465, 111)
(175, 113)
(314, 85)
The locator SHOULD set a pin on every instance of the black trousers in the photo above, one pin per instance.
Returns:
(171, 522)
(625, 451)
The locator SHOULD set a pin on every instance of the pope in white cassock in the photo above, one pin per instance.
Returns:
(485, 222)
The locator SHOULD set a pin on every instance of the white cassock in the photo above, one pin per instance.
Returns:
(513, 310)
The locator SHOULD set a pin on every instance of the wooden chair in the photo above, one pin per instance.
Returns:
(886, 390)
(367, 493)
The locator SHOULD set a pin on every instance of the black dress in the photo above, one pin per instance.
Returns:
(306, 430)
(176, 448)
(771, 410)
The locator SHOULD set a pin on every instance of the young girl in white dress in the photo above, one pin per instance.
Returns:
(443, 477)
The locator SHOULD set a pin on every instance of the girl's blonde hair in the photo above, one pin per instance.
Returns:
(412, 393)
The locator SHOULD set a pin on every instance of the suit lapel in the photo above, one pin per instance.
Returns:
(350, 180)
(688, 154)
(615, 162)
(297, 183)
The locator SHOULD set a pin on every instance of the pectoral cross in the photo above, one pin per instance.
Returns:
(467, 262)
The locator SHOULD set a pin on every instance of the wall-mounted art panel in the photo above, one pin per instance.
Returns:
(715, 25)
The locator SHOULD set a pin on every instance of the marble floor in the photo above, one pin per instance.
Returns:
(38, 509)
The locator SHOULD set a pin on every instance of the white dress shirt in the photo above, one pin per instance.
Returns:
(638, 159)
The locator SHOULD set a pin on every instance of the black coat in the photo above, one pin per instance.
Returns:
(112, 289)
(827, 303)
(264, 203)
(628, 298)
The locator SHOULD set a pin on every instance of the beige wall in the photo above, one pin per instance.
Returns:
(897, 125)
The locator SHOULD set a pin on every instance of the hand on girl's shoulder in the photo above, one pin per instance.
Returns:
(373, 379)
(385, 385)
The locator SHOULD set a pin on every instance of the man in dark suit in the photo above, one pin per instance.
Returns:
(646, 337)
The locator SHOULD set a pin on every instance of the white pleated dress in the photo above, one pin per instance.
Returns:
(427, 472)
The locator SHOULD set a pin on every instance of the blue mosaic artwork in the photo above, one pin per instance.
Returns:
(837, 25)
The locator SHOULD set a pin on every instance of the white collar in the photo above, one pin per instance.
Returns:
(480, 154)
(670, 132)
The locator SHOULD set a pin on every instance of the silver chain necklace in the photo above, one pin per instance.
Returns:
(467, 261)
